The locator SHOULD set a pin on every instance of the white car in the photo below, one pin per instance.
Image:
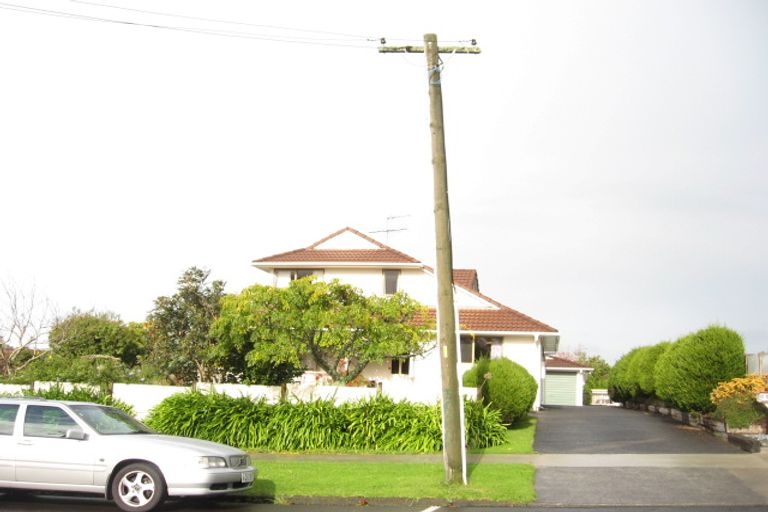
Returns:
(51, 445)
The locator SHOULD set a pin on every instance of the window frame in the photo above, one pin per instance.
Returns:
(390, 274)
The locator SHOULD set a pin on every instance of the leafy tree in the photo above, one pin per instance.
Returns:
(178, 329)
(91, 333)
(332, 324)
(101, 370)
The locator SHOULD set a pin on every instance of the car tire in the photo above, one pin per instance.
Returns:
(138, 487)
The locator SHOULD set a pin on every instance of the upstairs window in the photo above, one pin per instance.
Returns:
(304, 272)
(401, 365)
(390, 281)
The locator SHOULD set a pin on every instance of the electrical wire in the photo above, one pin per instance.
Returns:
(212, 32)
(230, 22)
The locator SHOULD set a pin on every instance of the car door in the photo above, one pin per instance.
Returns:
(8, 413)
(50, 451)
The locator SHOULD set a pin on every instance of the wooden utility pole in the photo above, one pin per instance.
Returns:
(454, 451)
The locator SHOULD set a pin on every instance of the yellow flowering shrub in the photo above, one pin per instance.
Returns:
(741, 387)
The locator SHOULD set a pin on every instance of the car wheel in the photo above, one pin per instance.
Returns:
(138, 488)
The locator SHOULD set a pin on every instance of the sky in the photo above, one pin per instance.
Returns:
(606, 159)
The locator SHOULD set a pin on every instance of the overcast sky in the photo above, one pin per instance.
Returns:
(606, 159)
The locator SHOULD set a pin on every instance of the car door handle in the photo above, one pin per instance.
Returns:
(25, 442)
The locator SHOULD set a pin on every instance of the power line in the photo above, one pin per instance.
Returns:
(212, 32)
(230, 22)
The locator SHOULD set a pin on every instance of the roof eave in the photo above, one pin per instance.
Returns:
(271, 265)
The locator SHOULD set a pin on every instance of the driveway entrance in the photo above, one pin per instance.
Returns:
(607, 456)
(603, 430)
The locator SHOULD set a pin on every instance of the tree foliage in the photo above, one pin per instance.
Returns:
(332, 324)
(178, 328)
(91, 333)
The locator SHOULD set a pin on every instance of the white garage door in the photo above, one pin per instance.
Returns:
(560, 389)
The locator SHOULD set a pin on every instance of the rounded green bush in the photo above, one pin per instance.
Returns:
(695, 364)
(511, 390)
(620, 386)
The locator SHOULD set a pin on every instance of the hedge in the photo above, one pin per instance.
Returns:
(694, 365)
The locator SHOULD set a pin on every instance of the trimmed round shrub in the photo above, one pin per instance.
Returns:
(511, 390)
(695, 364)
(620, 386)
(643, 369)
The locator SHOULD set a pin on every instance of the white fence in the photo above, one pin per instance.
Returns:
(143, 397)
(757, 363)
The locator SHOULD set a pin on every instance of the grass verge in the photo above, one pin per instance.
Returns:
(510, 483)
(519, 439)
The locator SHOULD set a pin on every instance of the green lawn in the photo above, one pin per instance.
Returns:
(511, 483)
(519, 439)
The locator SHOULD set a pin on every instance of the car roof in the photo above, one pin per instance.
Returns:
(37, 399)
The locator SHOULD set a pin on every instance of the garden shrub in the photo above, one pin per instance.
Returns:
(511, 390)
(643, 369)
(695, 364)
(376, 424)
(620, 387)
(736, 403)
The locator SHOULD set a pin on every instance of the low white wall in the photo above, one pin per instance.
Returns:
(143, 397)
(13, 389)
(64, 386)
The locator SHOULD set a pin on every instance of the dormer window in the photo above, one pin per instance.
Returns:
(390, 281)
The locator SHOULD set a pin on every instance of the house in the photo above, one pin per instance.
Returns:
(564, 381)
(487, 327)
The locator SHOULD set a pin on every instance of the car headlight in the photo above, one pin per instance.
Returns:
(208, 462)
(239, 461)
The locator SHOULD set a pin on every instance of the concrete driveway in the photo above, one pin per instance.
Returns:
(605, 456)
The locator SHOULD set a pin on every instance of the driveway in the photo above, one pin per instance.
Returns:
(615, 430)
(606, 456)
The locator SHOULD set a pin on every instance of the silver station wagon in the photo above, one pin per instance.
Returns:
(49, 445)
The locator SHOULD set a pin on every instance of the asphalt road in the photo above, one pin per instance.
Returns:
(66, 504)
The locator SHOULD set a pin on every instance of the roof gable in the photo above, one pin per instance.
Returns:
(346, 246)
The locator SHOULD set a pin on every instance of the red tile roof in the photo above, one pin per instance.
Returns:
(466, 278)
(383, 254)
(559, 362)
(497, 318)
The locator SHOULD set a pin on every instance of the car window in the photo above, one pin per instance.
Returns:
(47, 421)
(7, 418)
(109, 421)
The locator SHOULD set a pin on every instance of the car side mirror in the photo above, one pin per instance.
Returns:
(77, 434)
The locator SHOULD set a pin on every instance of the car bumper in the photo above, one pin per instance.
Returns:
(206, 482)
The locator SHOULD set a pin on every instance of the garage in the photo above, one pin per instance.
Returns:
(564, 382)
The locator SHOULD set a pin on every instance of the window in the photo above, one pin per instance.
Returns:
(7, 418)
(390, 281)
(46, 421)
(304, 272)
(401, 365)
(473, 348)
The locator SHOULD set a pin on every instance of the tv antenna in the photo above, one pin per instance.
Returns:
(389, 229)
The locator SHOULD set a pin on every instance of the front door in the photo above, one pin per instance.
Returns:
(45, 453)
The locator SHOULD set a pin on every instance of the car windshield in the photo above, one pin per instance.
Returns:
(109, 421)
